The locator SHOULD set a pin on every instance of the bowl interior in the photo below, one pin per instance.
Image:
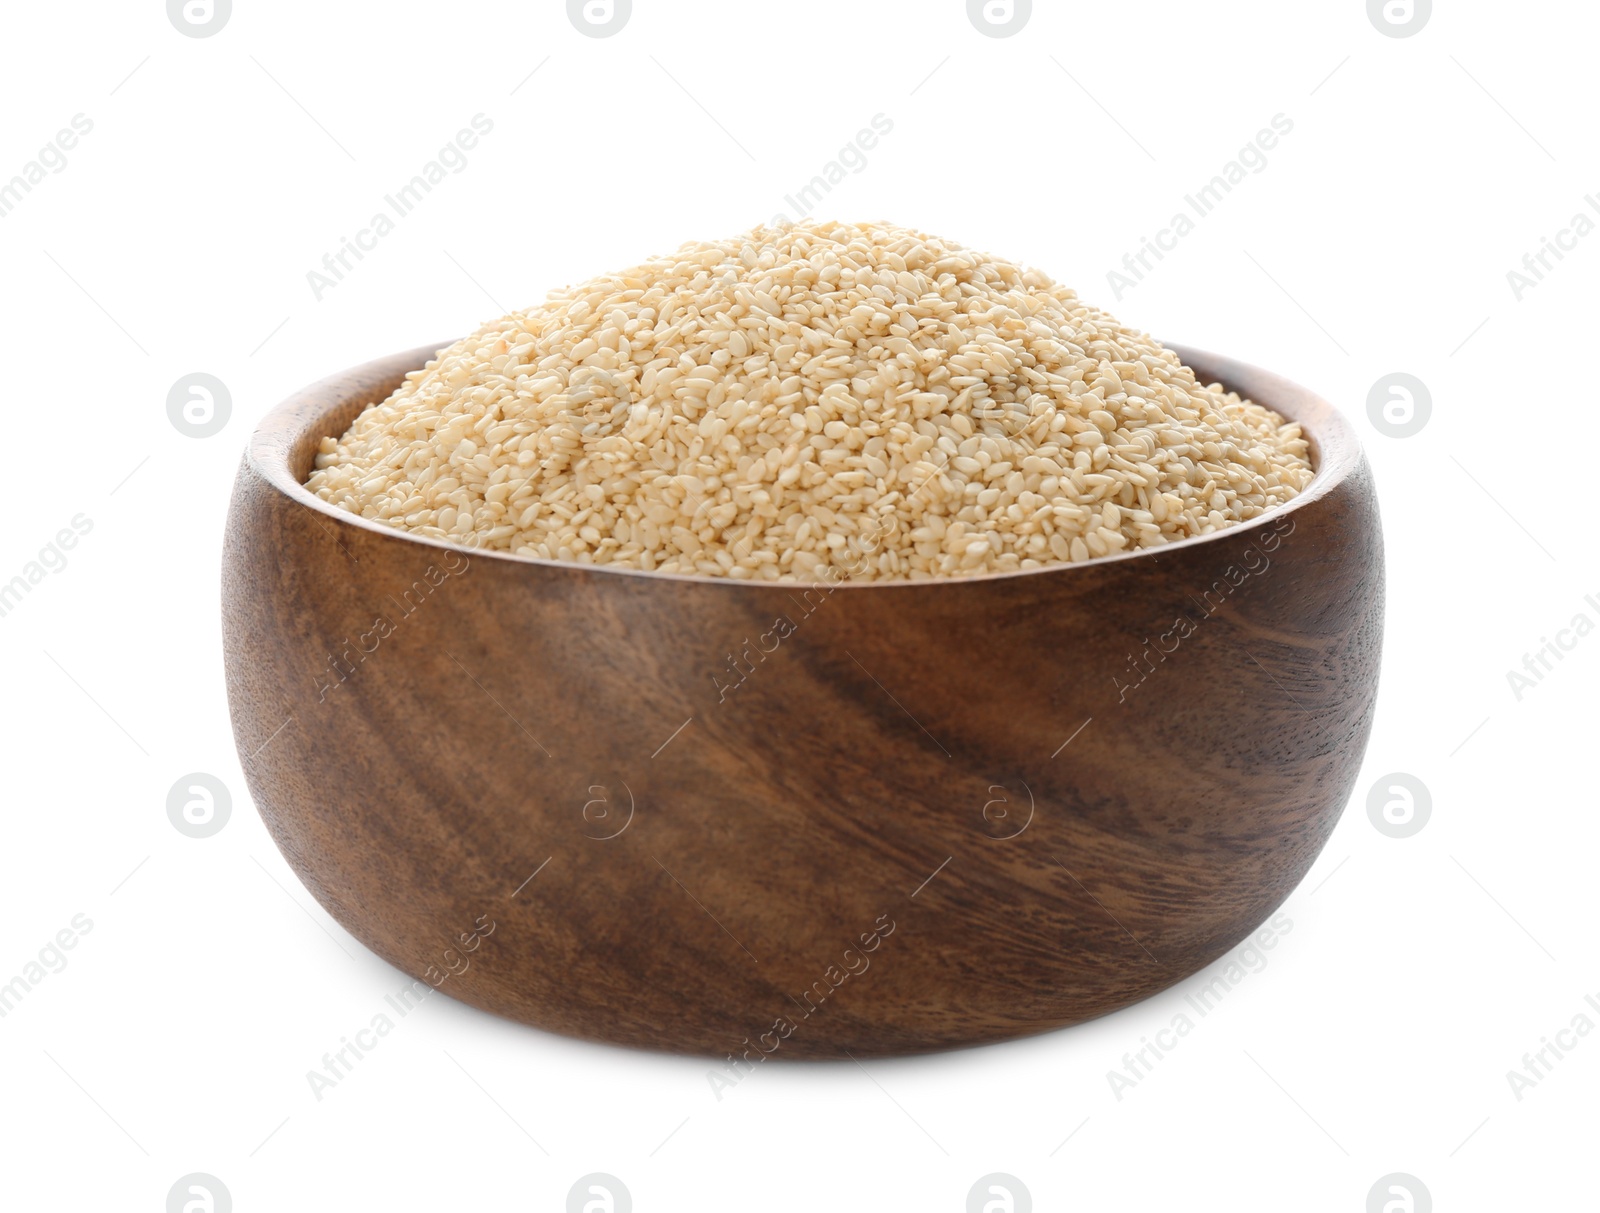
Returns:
(284, 448)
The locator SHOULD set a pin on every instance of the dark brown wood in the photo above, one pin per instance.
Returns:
(880, 839)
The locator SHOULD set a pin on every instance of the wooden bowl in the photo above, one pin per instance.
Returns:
(763, 820)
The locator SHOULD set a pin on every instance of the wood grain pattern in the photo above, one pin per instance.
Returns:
(880, 840)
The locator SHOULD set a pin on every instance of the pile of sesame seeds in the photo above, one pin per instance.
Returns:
(814, 401)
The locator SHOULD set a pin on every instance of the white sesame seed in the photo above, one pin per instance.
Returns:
(808, 401)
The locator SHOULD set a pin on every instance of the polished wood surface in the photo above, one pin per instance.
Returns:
(790, 821)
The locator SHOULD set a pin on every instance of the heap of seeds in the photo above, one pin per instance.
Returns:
(820, 400)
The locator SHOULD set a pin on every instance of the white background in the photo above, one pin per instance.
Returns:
(177, 239)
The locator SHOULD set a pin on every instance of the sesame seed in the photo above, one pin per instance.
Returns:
(811, 400)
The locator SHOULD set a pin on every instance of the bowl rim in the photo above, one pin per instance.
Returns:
(1334, 448)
